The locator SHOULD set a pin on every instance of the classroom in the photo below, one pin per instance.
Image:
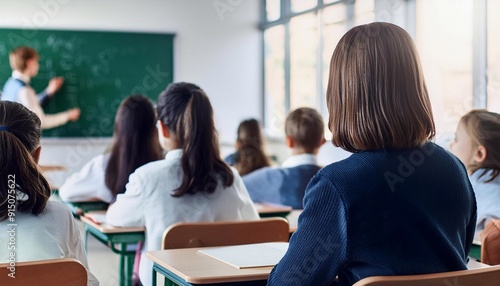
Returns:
(300, 142)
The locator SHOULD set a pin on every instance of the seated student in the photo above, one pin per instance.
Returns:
(250, 154)
(192, 183)
(400, 204)
(44, 229)
(477, 145)
(24, 63)
(286, 185)
(135, 144)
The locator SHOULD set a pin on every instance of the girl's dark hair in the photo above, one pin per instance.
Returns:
(19, 138)
(250, 154)
(186, 110)
(135, 141)
(483, 127)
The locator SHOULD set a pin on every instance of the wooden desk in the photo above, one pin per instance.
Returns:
(113, 236)
(189, 267)
(272, 210)
(52, 168)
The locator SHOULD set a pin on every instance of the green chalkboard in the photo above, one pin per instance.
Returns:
(100, 69)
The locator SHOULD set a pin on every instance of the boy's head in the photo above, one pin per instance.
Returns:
(304, 130)
(25, 60)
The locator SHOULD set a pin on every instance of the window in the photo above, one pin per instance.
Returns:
(458, 42)
(299, 40)
(303, 5)
(303, 55)
(273, 10)
(364, 12)
(274, 50)
(493, 71)
(444, 40)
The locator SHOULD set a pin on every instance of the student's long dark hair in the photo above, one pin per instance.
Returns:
(19, 137)
(135, 141)
(186, 110)
(251, 155)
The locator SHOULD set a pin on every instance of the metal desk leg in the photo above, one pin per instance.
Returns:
(154, 277)
(129, 268)
(122, 278)
(85, 239)
(126, 266)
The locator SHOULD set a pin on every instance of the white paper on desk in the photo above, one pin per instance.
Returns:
(249, 255)
(99, 218)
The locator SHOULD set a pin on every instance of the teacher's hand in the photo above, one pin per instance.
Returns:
(54, 85)
(73, 114)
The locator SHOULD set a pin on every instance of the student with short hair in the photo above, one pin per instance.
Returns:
(250, 154)
(44, 229)
(400, 204)
(135, 143)
(304, 131)
(192, 183)
(477, 145)
(24, 64)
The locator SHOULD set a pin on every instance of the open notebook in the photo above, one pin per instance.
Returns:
(249, 255)
(97, 217)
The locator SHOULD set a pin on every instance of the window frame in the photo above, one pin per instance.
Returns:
(286, 15)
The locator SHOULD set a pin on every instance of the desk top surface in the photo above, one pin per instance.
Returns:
(265, 208)
(195, 267)
(109, 229)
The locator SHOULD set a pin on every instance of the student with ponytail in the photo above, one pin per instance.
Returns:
(44, 229)
(192, 183)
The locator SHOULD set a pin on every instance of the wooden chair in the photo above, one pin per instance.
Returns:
(64, 271)
(205, 234)
(489, 276)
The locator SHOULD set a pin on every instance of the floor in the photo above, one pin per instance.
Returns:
(103, 263)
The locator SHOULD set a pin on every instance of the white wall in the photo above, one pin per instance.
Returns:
(218, 47)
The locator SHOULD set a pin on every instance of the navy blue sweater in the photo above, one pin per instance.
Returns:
(382, 213)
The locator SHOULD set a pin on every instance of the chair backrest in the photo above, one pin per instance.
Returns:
(204, 234)
(64, 271)
(489, 276)
(490, 243)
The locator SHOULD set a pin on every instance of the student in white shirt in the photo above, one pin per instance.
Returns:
(135, 143)
(477, 145)
(24, 63)
(192, 184)
(43, 229)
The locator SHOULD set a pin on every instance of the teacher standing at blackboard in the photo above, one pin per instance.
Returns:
(24, 64)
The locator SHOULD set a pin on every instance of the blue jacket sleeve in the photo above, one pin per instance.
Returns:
(318, 248)
(43, 98)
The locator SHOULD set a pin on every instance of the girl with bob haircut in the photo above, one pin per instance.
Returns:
(400, 204)
(250, 155)
(476, 144)
(44, 229)
(192, 183)
(135, 144)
